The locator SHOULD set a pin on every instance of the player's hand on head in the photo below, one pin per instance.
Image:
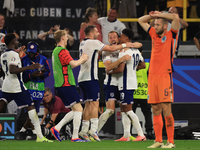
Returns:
(151, 13)
(157, 12)
(154, 13)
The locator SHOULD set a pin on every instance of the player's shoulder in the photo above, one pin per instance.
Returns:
(12, 53)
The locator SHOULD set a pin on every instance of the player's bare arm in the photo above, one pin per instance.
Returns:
(110, 66)
(168, 16)
(74, 63)
(117, 47)
(143, 21)
(141, 65)
(137, 45)
(119, 69)
(14, 69)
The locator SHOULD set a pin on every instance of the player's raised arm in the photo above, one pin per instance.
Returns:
(113, 65)
(169, 16)
(112, 48)
(143, 21)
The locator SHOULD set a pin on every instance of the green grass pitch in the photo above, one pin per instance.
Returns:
(103, 145)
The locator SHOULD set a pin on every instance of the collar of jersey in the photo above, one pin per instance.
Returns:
(111, 21)
(7, 50)
(86, 39)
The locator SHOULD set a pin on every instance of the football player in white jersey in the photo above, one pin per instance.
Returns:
(88, 79)
(13, 86)
(128, 80)
(111, 86)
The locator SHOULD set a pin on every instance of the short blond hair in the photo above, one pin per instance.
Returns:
(58, 34)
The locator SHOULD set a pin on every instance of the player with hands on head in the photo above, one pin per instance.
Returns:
(160, 87)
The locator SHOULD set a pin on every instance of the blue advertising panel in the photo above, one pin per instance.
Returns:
(8, 126)
(186, 80)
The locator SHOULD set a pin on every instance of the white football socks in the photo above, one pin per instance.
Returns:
(126, 124)
(85, 126)
(94, 124)
(76, 124)
(104, 117)
(67, 118)
(35, 121)
(135, 122)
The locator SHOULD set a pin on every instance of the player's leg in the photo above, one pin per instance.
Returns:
(169, 124)
(111, 94)
(126, 98)
(77, 108)
(29, 124)
(110, 108)
(166, 98)
(126, 122)
(94, 107)
(23, 99)
(83, 134)
(135, 122)
(35, 121)
(153, 81)
(56, 129)
(91, 89)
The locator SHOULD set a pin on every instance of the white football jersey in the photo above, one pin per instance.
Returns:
(89, 69)
(12, 82)
(107, 26)
(128, 78)
(111, 79)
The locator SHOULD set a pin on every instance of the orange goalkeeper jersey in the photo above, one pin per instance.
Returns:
(162, 51)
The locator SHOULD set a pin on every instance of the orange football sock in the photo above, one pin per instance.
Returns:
(158, 126)
(169, 124)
